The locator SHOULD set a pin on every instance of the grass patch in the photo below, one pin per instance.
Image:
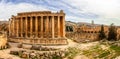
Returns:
(104, 54)
(115, 48)
(72, 52)
(96, 52)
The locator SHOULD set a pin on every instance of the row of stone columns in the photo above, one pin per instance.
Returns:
(16, 22)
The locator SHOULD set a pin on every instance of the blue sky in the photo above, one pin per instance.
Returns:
(101, 11)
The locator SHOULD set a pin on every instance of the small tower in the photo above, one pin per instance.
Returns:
(61, 11)
(92, 22)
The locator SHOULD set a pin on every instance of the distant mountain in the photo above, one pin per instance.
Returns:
(82, 23)
(2, 22)
(69, 23)
(87, 24)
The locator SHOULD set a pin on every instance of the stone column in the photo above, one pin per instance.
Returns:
(21, 27)
(58, 23)
(36, 26)
(26, 22)
(53, 27)
(46, 25)
(17, 23)
(63, 26)
(47, 21)
(31, 26)
(41, 26)
(13, 27)
(9, 27)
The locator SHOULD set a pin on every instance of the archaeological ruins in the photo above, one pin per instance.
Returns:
(86, 32)
(49, 28)
(39, 27)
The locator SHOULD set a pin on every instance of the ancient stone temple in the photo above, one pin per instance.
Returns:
(39, 27)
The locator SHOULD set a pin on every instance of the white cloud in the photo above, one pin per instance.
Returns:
(108, 8)
(8, 9)
(108, 11)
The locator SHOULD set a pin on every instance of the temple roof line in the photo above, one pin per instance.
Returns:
(40, 12)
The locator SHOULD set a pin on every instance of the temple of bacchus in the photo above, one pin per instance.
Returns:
(39, 27)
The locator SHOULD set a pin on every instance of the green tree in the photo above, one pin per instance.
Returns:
(112, 35)
(102, 33)
(69, 28)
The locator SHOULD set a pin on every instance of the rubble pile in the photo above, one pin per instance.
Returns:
(39, 54)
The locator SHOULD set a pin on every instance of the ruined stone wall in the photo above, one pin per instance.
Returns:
(93, 29)
(3, 41)
(86, 33)
(70, 35)
(118, 33)
(82, 37)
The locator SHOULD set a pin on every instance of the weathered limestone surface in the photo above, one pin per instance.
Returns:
(3, 41)
(82, 33)
(40, 55)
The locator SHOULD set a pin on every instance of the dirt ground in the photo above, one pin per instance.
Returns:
(5, 54)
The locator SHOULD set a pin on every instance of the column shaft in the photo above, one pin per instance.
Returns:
(26, 22)
(31, 26)
(41, 26)
(53, 27)
(36, 26)
(63, 26)
(47, 21)
(58, 23)
(17, 21)
(9, 27)
(21, 27)
(13, 27)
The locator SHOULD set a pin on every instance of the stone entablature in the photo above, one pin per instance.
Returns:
(42, 13)
(36, 12)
